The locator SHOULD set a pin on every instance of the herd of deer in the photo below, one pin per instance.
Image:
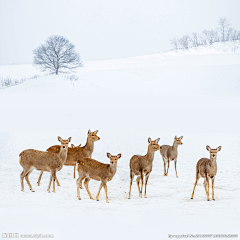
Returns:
(58, 155)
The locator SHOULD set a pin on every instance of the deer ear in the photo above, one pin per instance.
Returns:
(175, 137)
(208, 148)
(157, 140)
(119, 155)
(72, 145)
(96, 131)
(181, 137)
(109, 155)
(149, 140)
(69, 139)
(59, 139)
(219, 148)
(89, 131)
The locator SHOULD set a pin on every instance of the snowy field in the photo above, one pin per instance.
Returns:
(195, 94)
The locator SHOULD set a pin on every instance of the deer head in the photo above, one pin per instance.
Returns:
(113, 159)
(213, 152)
(64, 143)
(178, 140)
(92, 136)
(153, 145)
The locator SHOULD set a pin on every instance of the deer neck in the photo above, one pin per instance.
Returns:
(89, 147)
(150, 155)
(113, 168)
(213, 162)
(63, 154)
(175, 146)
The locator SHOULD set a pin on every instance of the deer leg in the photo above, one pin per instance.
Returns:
(176, 166)
(165, 172)
(54, 179)
(78, 187)
(97, 198)
(131, 180)
(207, 187)
(141, 184)
(27, 180)
(105, 187)
(49, 185)
(138, 180)
(74, 172)
(22, 175)
(146, 181)
(81, 182)
(57, 181)
(168, 167)
(86, 181)
(39, 179)
(197, 178)
(213, 189)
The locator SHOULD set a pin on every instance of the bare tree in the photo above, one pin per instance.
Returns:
(56, 55)
(224, 25)
(184, 42)
(235, 38)
(195, 39)
(174, 42)
(210, 36)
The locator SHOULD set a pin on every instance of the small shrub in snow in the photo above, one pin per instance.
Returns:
(8, 82)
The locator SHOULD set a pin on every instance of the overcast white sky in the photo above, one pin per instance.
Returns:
(105, 29)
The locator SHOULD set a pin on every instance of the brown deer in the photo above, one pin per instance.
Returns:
(169, 153)
(207, 168)
(142, 166)
(73, 146)
(31, 159)
(76, 153)
(91, 169)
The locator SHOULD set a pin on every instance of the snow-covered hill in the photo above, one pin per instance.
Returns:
(195, 94)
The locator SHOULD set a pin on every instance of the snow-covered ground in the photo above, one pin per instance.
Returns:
(195, 94)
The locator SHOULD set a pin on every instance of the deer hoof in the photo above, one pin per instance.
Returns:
(191, 198)
(213, 199)
(79, 199)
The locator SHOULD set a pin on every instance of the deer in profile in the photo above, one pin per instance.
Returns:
(75, 153)
(31, 159)
(91, 169)
(207, 168)
(169, 153)
(141, 166)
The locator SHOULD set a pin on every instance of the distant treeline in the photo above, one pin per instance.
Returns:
(223, 33)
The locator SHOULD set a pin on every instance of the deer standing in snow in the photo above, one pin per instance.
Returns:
(142, 166)
(169, 153)
(76, 153)
(207, 168)
(31, 159)
(91, 169)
